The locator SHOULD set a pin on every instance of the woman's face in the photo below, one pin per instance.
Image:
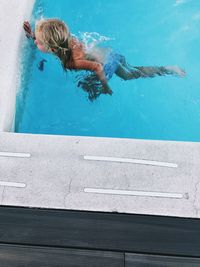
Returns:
(40, 45)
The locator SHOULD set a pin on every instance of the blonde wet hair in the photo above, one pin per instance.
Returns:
(55, 36)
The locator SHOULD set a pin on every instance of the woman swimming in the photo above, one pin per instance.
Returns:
(53, 36)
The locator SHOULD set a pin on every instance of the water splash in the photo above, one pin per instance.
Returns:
(91, 39)
(38, 11)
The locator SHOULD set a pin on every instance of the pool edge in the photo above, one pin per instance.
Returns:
(10, 47)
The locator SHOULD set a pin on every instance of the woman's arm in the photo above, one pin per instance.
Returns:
(97, 68)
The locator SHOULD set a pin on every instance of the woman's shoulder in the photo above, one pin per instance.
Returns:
(75, 43)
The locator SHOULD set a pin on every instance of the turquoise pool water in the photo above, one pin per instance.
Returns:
(147, 33)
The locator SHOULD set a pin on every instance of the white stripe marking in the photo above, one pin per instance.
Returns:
(15, 155)
(136, 161)
(135, 193)
(12, 184)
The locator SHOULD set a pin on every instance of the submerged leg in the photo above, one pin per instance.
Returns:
(127, 72)
(160, 71)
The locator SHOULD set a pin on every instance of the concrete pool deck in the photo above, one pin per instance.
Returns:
(100, 174)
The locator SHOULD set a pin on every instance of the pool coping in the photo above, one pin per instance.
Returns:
(11, 38)
(51, 171)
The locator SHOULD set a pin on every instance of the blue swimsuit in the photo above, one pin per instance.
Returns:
(111, 64)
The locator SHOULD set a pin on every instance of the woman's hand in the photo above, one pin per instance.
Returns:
(28, 31)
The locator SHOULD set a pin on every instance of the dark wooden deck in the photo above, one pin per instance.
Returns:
(54, 238)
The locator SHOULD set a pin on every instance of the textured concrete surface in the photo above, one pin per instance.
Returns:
(56, 174)
(12, 15)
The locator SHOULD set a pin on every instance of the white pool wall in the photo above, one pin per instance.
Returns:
(12, 15)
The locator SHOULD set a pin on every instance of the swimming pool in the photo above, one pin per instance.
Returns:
(147, 33)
